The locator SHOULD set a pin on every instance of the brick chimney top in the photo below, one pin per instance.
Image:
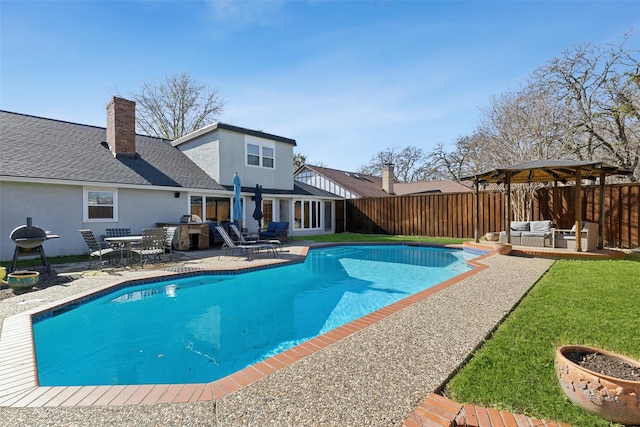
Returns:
(387, 178)
(121, 127)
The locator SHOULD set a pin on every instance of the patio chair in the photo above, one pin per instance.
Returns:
(231, 247)
(169, 232)
(96, 249)
(241, 239)
(118, 232)
(152, 245)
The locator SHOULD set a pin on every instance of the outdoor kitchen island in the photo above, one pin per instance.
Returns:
(192, 235)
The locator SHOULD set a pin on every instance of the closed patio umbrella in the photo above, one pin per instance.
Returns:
(237, 205)
(257, 212)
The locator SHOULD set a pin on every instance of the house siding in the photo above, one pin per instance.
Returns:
(59, 209)
(208, 149)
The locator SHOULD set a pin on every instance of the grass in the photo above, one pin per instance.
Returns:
(35, 262)
(592, 303)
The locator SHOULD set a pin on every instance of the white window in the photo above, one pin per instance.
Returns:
(253, 154)
(306, 215)
(267, 157)
(260, 153)
(100, 204)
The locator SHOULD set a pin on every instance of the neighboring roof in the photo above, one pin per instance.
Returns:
(362, 185)
(421, 187)
(549, 170)
(39, 148)
(218, 125)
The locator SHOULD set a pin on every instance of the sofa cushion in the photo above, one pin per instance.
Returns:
(272, 227)
(540, 226)
(520, 225)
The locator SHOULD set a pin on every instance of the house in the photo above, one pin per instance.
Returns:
(351, 185)
(223, 150)
(68, 176)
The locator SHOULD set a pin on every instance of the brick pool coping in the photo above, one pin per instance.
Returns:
(18, 375)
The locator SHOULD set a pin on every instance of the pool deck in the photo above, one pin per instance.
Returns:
(380, 370)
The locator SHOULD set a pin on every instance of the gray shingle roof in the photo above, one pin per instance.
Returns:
(40, 148)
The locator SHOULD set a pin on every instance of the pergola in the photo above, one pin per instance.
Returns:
(548, 171)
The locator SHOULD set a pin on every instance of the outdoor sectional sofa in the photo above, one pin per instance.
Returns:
(531, 233)
(589, 236)
(543, 234)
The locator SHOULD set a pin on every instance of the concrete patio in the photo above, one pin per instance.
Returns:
(375, 371)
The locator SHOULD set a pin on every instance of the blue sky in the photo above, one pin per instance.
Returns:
(345, 79)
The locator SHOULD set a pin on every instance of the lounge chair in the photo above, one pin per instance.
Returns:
(152, 245)
(241, 239)
(249, 249)
(96, 249)
(169, 232)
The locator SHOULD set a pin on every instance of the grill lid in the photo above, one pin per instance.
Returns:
(30, 236)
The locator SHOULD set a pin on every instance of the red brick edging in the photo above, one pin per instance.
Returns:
(439, 411)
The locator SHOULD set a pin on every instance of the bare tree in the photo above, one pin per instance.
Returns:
(519, 126)
(175, 107)
(464, 160)
(601, 87)
(410, 163)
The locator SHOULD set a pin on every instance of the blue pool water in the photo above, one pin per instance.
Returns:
(201, 328)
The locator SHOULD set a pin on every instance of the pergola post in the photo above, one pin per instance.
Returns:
(578, 208)
(476, 211)
(507, 211)
(601, 180)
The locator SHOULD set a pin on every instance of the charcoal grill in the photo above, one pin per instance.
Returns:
(28, 240)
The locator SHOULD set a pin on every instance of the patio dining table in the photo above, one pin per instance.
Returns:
(128, 241)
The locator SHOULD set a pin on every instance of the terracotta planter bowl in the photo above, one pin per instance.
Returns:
(610, 398)
(492, 237)
(19, 280)
(502, 248)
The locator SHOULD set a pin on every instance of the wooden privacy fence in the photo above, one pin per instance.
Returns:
(451, 214)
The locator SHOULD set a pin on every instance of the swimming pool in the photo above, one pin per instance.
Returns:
(201, 328)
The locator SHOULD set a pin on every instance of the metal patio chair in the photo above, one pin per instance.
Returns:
(169, 232)
(241, 238)
(96, 249)
(232, 247)
(151, 247)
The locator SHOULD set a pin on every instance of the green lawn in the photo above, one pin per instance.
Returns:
(594, 303)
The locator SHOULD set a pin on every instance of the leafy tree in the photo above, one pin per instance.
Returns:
(299, 159)
(175, 107)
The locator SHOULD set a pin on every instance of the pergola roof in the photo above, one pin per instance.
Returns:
(548, 171)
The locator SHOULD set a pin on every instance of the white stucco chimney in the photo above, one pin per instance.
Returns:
(387, 177)
(121, 126)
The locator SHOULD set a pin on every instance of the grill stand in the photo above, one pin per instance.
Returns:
(18, 252)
